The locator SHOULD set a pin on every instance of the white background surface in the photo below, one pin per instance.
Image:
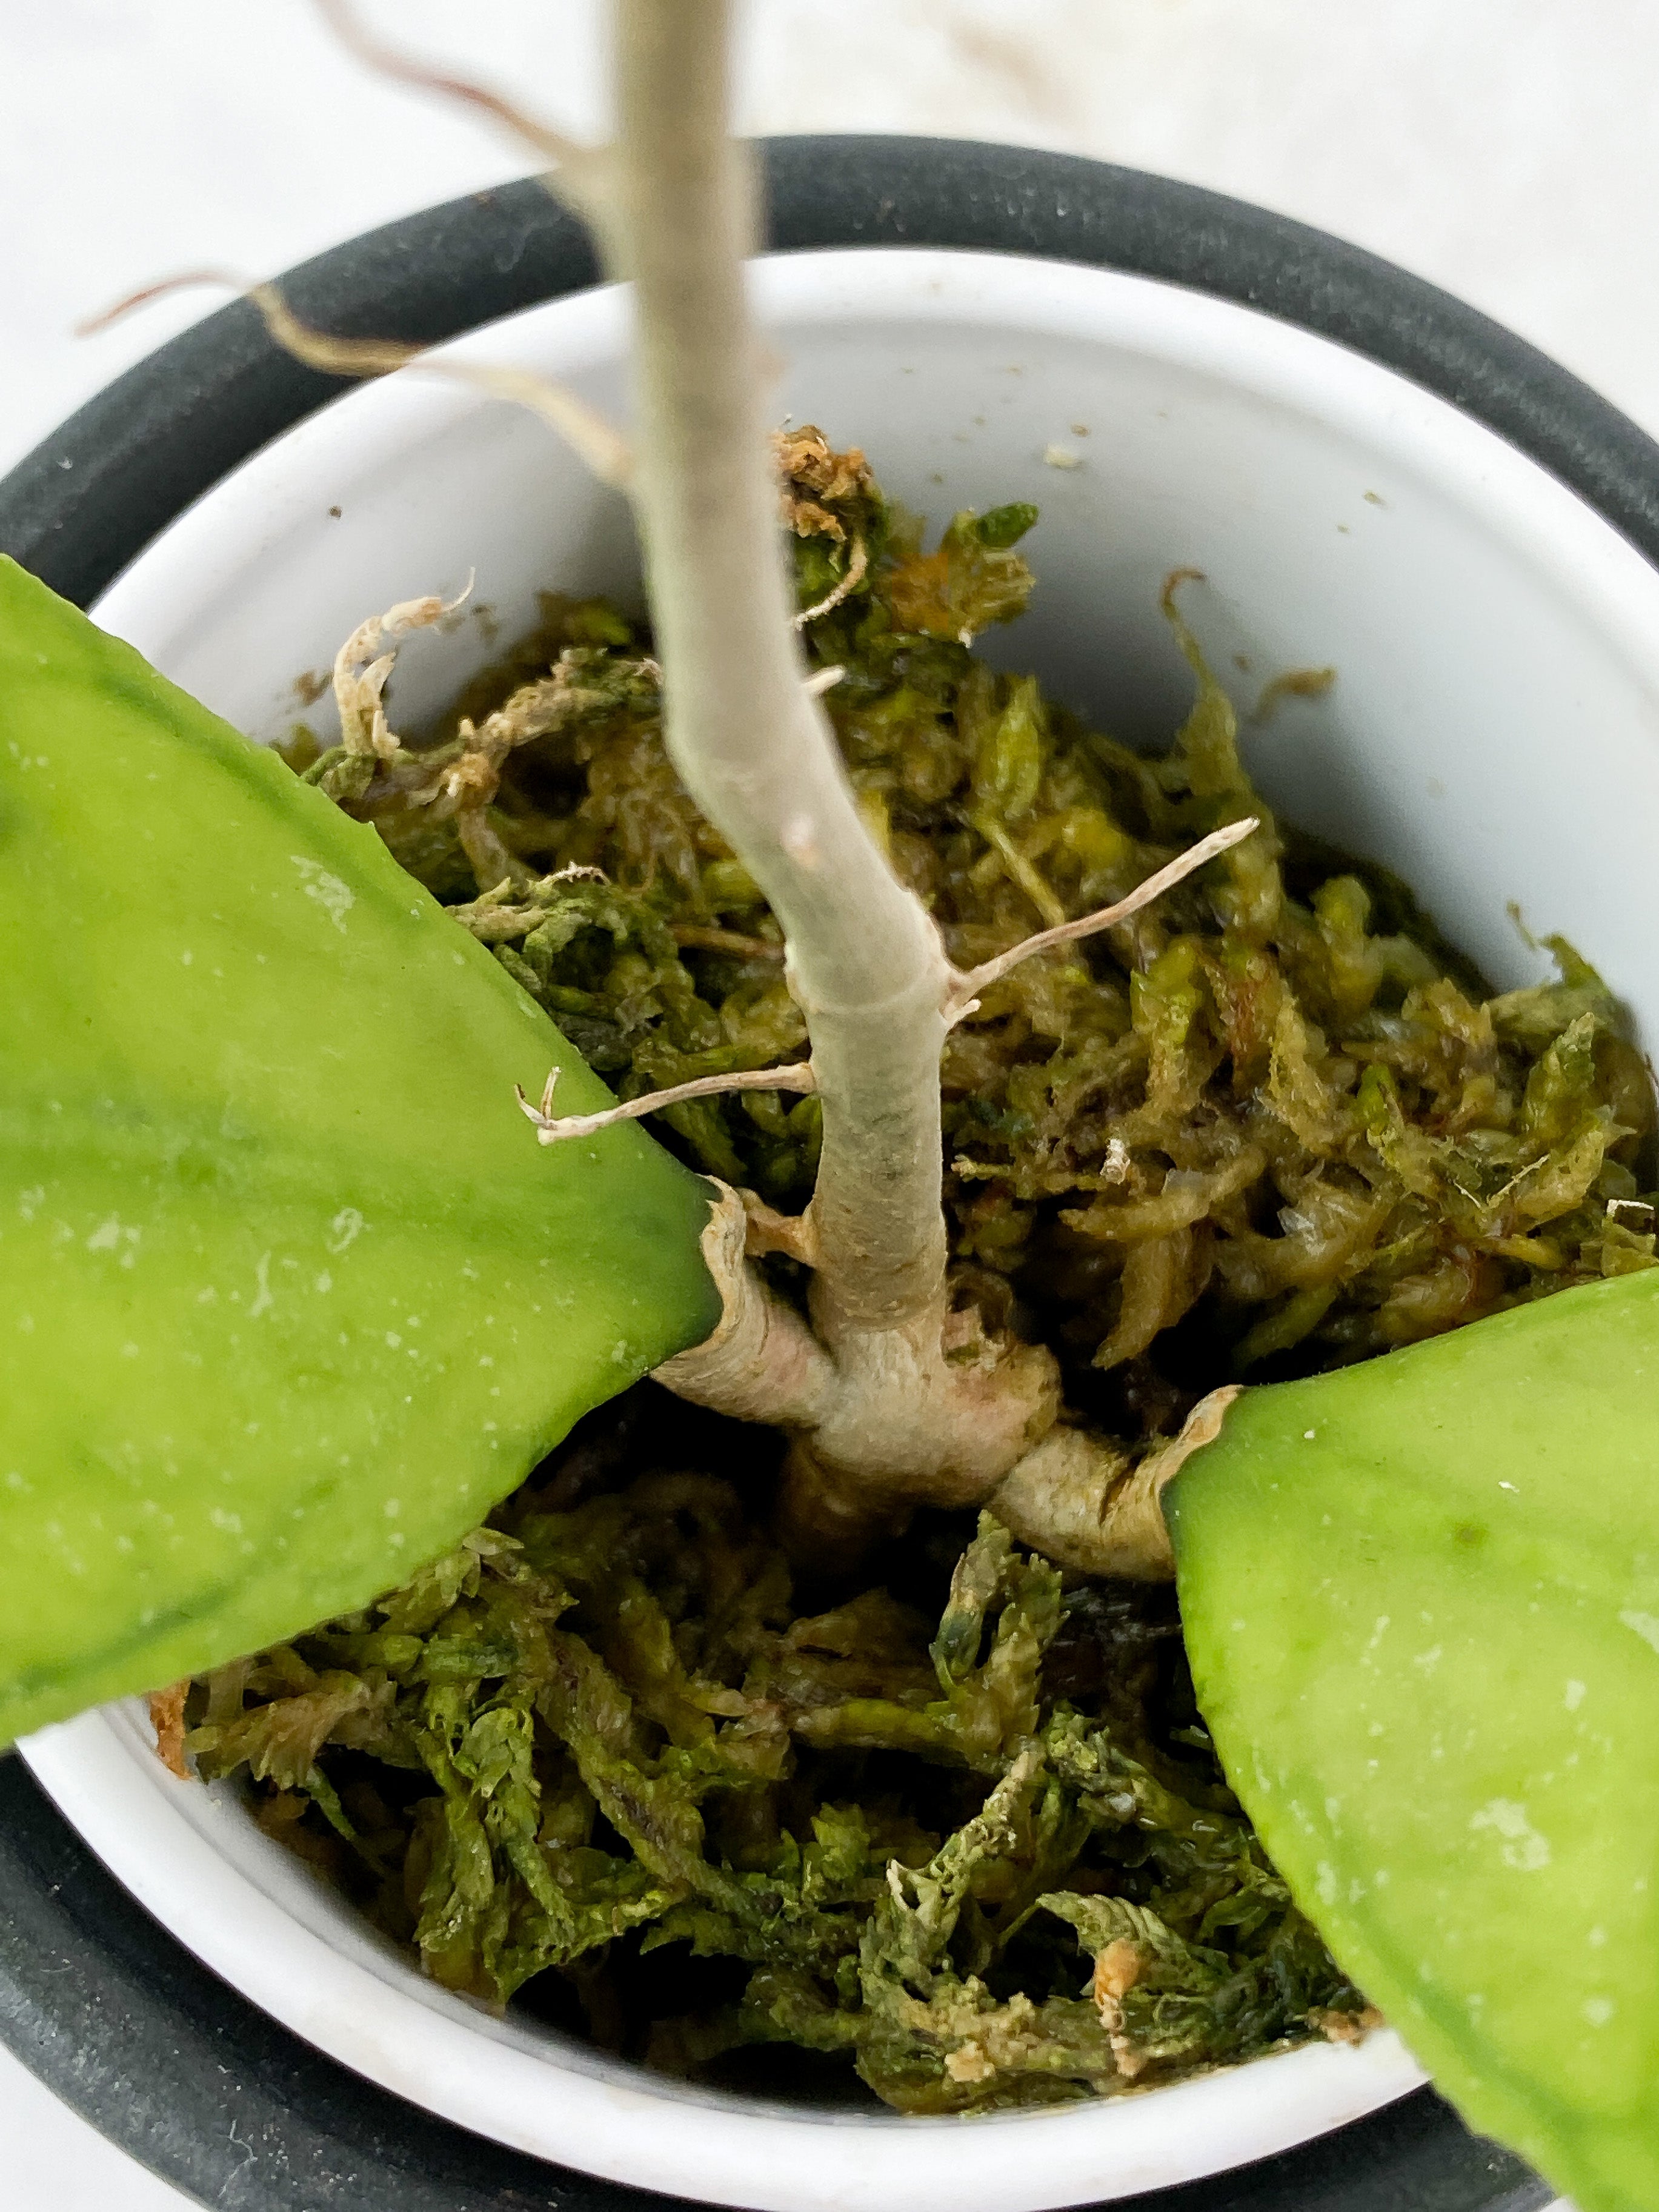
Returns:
(1506, 148)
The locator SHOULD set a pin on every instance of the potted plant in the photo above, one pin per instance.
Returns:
(1118, 356)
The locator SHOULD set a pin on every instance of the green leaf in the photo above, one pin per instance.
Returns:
(288, 1294)
(1421, 1599)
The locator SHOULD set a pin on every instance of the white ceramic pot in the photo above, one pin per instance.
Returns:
(1493, 735)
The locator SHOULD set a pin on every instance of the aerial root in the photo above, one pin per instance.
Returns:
(962, 996)
(583, 429)
(554, 1130)
(596, 442)
(581, 166)
(692, 936)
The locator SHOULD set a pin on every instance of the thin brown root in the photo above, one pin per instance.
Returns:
(583, 429)
(1291, 683)
(488, 858)
(551, 1129)
(184, 280)
(594, 440)
(858, 567)
(692, 937)
(962, 996)
(580, 166)
(1172, 583)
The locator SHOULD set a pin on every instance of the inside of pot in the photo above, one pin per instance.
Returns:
(1482, 706)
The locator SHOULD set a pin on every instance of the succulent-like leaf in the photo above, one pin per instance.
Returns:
(288, 1294)
(1421, 1599)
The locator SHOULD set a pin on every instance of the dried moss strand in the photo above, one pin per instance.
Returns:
(365, 661)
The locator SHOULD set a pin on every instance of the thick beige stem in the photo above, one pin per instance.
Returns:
(762, 1363)
(1096, 1506)
(891, 1398)
(753, 747)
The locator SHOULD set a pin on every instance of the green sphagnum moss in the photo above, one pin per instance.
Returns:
(1272, 1126)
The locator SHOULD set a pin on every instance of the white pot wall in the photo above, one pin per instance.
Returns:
(1497, 647)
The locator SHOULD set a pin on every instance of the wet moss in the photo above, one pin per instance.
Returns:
(964, 1830)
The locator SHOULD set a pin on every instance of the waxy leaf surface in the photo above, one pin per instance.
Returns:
(1421, 1599)
(288, 1293)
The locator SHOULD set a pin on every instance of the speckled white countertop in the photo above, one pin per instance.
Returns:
(1506, 148)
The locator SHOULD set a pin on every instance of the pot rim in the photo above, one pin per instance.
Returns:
(118, 455)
